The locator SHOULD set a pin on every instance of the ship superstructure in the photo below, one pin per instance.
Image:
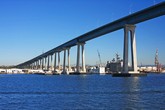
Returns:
(115, 65)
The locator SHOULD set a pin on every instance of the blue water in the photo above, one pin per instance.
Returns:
(39, 92)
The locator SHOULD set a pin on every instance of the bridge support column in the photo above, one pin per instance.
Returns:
(28, 66)
(38, 63)
(31, 65)
(42, 63)
(51, 63)
(78, 58)
(55, 55)
(59, 61)
(48, 63)
(35, 64)
(69, 68)
(129, 29)
(64, 62)
(45, 63)
(83, 58)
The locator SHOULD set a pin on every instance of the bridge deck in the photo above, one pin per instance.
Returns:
(140, 16)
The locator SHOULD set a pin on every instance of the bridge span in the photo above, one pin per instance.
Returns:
(127, 23)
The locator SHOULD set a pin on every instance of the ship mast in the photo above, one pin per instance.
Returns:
(156, 60)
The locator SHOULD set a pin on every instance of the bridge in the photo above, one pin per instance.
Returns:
(127, 23)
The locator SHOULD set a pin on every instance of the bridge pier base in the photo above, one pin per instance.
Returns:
(51, 62)
(78, 58)
(45, 63)
(55, 55)
(83, 58)
(129, 29)
(69, 68)
(57, 68)
(48, 64)
(42, 63)
(64, 62)
(59, 61)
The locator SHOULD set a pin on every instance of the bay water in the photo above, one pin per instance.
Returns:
(51, 92)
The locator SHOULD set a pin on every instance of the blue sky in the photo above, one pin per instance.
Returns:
(30, 27)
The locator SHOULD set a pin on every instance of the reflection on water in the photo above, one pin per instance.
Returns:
(81, 92)
(132, 87)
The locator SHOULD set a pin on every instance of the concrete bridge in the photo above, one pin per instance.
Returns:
(127, 23)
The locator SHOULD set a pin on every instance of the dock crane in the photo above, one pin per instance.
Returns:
(99, 58)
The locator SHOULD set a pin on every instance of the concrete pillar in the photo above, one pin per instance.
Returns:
(36, 65)
(42, 63)
(55, 55)
(133, 48)
(64, 62)
(32, 66)
(125, 52)
(83, 58)
(69, 68)
(48, 63)
(45, 62)
(51, 63)
(78, 58)
(129, 29)
(38, 61)
(59, 61)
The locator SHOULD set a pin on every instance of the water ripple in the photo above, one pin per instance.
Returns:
(99, 93)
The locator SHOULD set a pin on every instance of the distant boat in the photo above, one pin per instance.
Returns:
(98, 69)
